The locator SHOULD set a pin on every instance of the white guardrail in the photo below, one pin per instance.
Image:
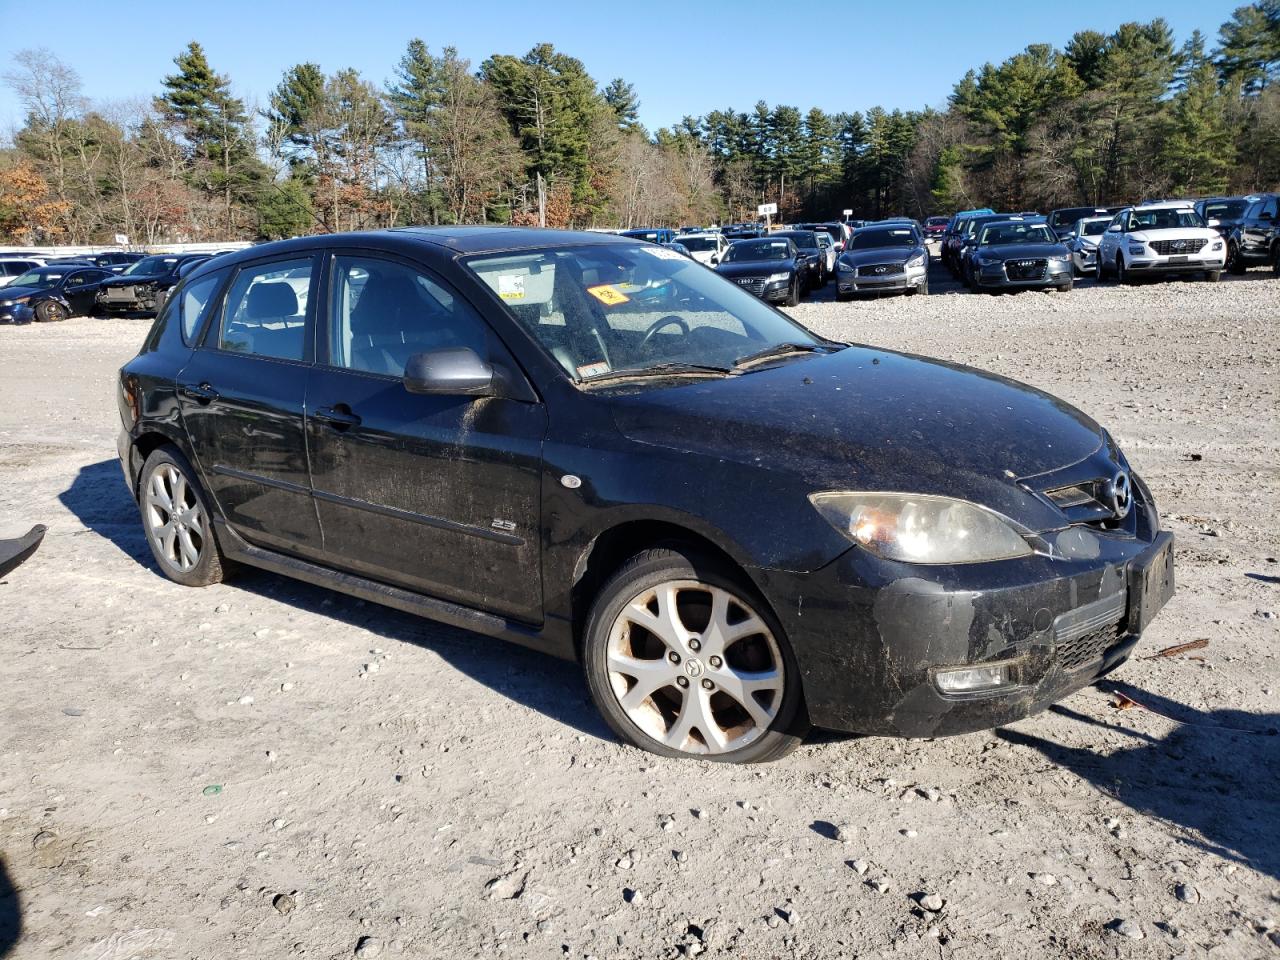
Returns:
(68, 251)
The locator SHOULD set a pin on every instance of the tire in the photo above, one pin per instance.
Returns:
(1066, 287)
(50, 311)
(677, 668)
(843, 297)
(1122, 275)
(1234, 264)
(1100, 274)
(1213, 276)
(793, 296)
(1275, 259)
(189, 554)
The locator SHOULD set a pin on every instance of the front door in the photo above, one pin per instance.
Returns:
(439, 494)
(242, 395)
(81, 288)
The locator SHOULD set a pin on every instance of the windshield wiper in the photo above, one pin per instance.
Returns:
(659, 370)
(777, 350)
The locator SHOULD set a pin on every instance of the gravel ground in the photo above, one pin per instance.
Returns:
(263, 769)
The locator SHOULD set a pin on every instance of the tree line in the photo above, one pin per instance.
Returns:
(535, 140)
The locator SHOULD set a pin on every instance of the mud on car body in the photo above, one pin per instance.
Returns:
(600, 449)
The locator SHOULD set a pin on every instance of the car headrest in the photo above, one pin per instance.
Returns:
(270, 300)
(382, 305)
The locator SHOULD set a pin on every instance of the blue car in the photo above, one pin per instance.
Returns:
(652, 234)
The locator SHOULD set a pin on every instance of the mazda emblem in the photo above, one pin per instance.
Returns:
(1120, 493)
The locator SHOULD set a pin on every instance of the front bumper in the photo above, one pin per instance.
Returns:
(1085, 259)
(913, 278)
(871, 636)
(1056, 274)
(18, 313)
(1188, 264)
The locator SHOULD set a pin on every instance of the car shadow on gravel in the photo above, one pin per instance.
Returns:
(10, 913)
(99, 498)
(1212, 776)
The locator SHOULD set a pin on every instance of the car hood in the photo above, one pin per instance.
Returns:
(857, 258)
(1021, 251)
(133, 279)
(754, 268)
(16, 293)
(868, 419)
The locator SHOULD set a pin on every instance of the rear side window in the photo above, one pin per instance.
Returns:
(193, 302)
(266, 310)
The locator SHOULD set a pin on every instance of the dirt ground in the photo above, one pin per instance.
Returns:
(264, 769)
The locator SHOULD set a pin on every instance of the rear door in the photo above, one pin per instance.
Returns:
(1259, 224)
(81, 288)
(439, 494)
(242, 394)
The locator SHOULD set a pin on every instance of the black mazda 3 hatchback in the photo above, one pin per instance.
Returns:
(599, 448)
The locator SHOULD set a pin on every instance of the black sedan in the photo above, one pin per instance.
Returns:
(141, 289)
(602, 450)
(51, 293)
(883, 259)
(771, 268)
(1015, 254)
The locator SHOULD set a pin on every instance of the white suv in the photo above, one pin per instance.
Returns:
(1155, 238)
(706, 248)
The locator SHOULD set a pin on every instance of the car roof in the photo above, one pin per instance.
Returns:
(1166, 205)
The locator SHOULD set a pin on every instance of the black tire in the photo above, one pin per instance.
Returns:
(793, 295)
(1234, 264)
(50, 311)
(1213, 276)
(1275, 259)
(1100, 273)
(843, 297)
(211, 566)
(1122, 275)
(647, 571)
(1066, 287)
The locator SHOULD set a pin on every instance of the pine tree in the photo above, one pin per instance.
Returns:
(622, 100)
(1197, 146)
(1249, 47)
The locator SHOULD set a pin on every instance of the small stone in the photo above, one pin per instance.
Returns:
(633, 897)
(286, 686)
(278, 823)
(1112, 823)
(245, 700)
(222, 608)
(625, 863)
(1187, 893)
(931, 902)
(934, 932)
(844, 833)
(880, 884)
(1045, 879)
(700, 814)
(368, 947)
(772, 920)
(681, 856)
(744, 804)
(261, 634)
(791, 915)
(1128, 928)
(284, 904)
(930, 794)
(860, 866)
(909, 834)
(667, 822)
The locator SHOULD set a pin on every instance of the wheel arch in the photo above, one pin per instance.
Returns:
(141, 446)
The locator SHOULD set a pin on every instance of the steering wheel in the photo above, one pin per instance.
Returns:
(659, 324)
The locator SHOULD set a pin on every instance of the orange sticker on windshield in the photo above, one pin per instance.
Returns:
(608, 294)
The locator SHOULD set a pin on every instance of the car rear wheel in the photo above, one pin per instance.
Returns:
(51, 311)
(177, 520)
(1213, 276)
(1066, 287)
(683, 660)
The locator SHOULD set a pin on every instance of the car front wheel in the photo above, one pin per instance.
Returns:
(50, 311)
(177, 520)
(683, 660)
(1234, 263)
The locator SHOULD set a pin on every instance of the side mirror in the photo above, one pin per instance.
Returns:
(451, 371)
(1114, 228)
(1215, 222)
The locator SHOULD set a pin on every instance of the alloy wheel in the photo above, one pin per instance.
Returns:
(175, 520)
(695, 668)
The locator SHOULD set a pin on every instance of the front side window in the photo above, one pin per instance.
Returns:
(604, 309)
(266, 310)
(384, 312)
(193, 301)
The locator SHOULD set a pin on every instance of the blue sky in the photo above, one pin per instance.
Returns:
(683, 58)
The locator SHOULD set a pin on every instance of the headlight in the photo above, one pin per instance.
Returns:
(842, 267)
(988, 261)
(1088, 245)
(1217, 245)
(15, 302)
(921, 528)
(778, 277)
(1136, 249)
(916, 261)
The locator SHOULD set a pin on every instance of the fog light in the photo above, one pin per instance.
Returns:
(972, 679)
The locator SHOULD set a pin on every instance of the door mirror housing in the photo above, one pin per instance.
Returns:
(1114, 228)
(450, 372)
(1215, 222)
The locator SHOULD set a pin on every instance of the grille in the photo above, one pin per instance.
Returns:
(753, 285)
(1168, 248)
(1081, 651)
(118, 293)
(881, 269)
(1025, 269)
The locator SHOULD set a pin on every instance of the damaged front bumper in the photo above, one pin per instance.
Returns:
(879, 643)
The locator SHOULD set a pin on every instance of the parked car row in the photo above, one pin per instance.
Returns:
(115, 283)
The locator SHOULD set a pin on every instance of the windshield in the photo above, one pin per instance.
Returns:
(653, 236)
(937, 221)
(150, 266)
(699, 244)
(602, 309)
(39, 279)
(870, 239)
(745, 250)
(1064, 218)
(802, 238)
(1016, 233)
(1225, 209)
(1093, 228)
(1165, 218)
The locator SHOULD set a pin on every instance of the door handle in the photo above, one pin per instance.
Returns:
(204, 393)
(339, 417)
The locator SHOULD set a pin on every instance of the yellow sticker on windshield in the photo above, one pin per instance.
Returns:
(608, 294)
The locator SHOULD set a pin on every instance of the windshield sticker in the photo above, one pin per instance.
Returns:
(592, 369)
(608, 294)
(511, 286)
(662, 253)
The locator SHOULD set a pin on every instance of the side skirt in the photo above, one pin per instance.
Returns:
(455, 615)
